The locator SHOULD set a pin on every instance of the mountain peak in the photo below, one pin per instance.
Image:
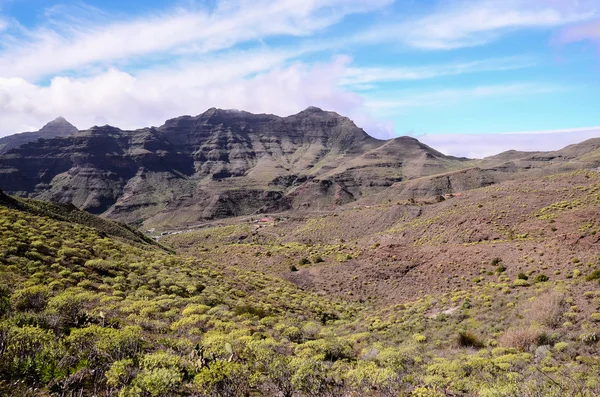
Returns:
(312, 109)
(316, 112)
(59, 126)
(214, 110)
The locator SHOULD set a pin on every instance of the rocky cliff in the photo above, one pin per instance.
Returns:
(219, 163)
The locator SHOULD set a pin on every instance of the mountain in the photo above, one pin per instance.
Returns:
(56, 128)
(220, 163)
(225, 163)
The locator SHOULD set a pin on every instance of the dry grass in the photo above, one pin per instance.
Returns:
(520, 338)
(547, 309)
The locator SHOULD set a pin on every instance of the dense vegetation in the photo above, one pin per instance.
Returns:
(85, 311)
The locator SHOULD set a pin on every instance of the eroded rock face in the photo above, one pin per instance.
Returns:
(220, 163)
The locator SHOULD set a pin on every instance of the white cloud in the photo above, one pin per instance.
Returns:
(483, 145)
(359, 77)
(257, 81)
(128, 101)
(468, 23)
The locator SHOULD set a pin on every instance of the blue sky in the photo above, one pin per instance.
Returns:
(441, 70)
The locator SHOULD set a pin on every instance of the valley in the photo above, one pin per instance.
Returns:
(289, 198)
(356, 277)
(493, 289)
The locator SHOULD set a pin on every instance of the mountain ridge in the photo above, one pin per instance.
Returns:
(224, 163)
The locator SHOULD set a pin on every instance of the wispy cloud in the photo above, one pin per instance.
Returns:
(63, 45)
(483, 145)
(585, 31)
(466, 23)
(359, 77)
(401, 100)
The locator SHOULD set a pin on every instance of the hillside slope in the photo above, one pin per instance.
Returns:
(494, 291)
(86, 314)
(69, 213)
(505, 166)
(498, 285)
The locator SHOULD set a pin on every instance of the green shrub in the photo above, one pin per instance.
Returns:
(32, 354)
(70, 307)
(595, 275)
(561, 346)
(31, 298)
(120, 373)
(161, 359)
(255, 311)
(100, 266)
(158, 382)
(419, 338)
(223, 379)
(589, 338)
(541, 278)
(367, 376)
(310, 329)
(292, 333)
(520, 283)
(195, 309)
(330, 349)
(199, 288)
(312, 378)
(303, 261)
(96, 344)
